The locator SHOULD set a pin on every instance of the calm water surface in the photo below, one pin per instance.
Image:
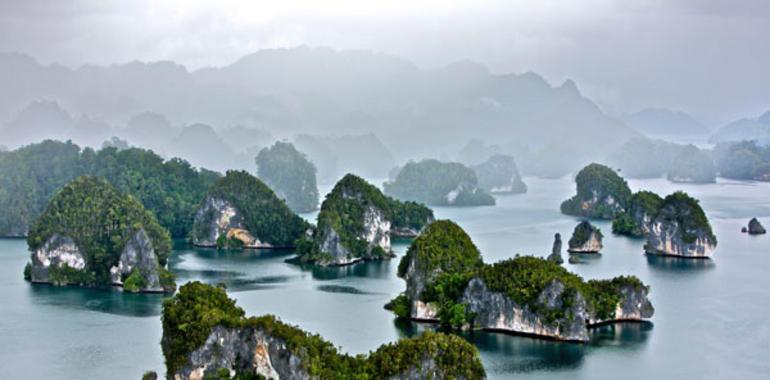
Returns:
(711, 317)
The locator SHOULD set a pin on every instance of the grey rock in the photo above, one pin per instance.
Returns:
(665, 238)
(586, 238)
(139, 254)
(218, 217)
(555, 255)
(755, 227)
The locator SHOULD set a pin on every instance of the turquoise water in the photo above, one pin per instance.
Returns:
(711, 316)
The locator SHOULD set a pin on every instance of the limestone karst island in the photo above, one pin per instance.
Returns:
(366, 190)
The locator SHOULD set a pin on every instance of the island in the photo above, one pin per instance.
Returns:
(356, 223)
(744, 160)
(586, 238)
(437, 183)
(601, 193)
(555, 255)
(290, 174)
(93, 235)
(206, 335)
(680, 228)
(692, 165)
(499, 174)
(447, 282)
(240, 211)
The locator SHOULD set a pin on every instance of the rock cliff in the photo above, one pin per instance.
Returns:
(58, 253)
(218, 221)
(447, 282)
(586, 238)
(139, 255)
(681, 228)
(216, 340)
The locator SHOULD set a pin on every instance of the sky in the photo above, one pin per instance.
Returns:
(710, 58)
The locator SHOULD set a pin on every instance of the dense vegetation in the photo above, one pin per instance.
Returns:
(744, 160)
(101, 220)
(687, 213)
(31, 175)
(343, 211)
(448, 258)
(629, 222)
(524, 278)
(290, 174)
(438, 183)
(692, 165)
(190, 316)
(596, 185)
(265, 215)
(499, 173)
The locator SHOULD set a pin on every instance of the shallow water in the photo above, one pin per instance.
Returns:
(710, 320)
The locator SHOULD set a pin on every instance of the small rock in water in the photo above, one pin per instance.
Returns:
(744, 229)
(574, 259)
(756, 228)
(555, 255)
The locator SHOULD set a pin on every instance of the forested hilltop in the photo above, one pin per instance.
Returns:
(31, 175)
(290, 174)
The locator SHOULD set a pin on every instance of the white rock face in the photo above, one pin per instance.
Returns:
(138, 253)
(219, 217)
(664, 239)
(376, 228)
(57, 251)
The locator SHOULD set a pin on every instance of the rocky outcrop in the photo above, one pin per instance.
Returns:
(356, 222)
(58, 252)
(601, 193)
(555, 255)
(680, 228)
(243, 350)
(634, 306)
(138, 254)
(495, 311)
(585, 239)
(755, 227)
(218, 219)
(665, 238)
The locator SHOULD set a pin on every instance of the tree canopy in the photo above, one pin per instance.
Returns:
(438, 183)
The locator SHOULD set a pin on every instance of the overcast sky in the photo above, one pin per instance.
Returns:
(707, 57)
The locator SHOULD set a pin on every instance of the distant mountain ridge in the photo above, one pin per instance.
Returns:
(320, 91)
(663, 121)
(757, 129)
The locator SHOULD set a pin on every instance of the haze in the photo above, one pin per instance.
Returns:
(705, 57)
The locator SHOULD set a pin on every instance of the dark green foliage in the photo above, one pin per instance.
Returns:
(444, 247)
(167, 280)
(265, 215)
(28, 272)
(604, 295)
(100, 219)
(189, 317)
(684, 210)
(290, 174)
(429, 182)
(692, 165)
(744, 160)
(629, 222)
(150, 375)
(31, 175)
(582, 233)
(135, 282)
(223, 242)
(599, 180)
(64, 275)
(400, 306)
(343, 211)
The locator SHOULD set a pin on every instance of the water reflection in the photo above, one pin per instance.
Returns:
(111, 301)
(508, 353)
(370, 269)
(342, 289)
(678, 264)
